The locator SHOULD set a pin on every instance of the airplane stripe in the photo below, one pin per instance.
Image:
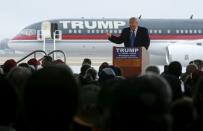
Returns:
(104, 37)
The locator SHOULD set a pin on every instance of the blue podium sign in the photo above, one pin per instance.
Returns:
(126, 53)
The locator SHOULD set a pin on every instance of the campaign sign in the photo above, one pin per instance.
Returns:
(126, 53)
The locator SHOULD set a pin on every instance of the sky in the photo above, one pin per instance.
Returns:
(17, 14)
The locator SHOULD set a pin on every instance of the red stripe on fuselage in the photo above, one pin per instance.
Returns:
(25, 37)
(104, 37)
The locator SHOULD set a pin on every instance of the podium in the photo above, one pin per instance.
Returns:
(131, 61)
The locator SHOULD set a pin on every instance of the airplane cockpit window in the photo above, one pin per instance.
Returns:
(28, 32)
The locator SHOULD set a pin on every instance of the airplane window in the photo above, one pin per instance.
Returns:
(168, 31)
(191, 31)
(115, 31)
(200, 31)
(102, 31)
(75, 31)
(120, 31)
(97, 31)
(70, 31)
(79, 31)
(160, 31)
(177, 31)
(88, 31)
(186, 31)
(93, 31)
(150, 31)
(155, 31)
(182, 31)
(195, 31)
(111, 31)
(28, 32)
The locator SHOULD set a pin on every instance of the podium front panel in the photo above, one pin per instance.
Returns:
(129, 60)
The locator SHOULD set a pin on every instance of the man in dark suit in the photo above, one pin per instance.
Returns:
(133, 36)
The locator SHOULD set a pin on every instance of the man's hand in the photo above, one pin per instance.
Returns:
(108, 34)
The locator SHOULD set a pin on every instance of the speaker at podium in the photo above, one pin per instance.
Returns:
(132, 61)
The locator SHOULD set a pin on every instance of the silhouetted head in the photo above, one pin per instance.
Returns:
(8, 65)
(47, 60)
(86, 61)
(175, 68)
(58, 61)
(9, 103)
(51, 98)
(198, 98)
(91, 74)
(191, 68)
(34, 62)
(84, 69)
(18, 77)
(199, 64)
(106, 74)
(105, 100)
(102, 66)
(24, 65)
(87, 109)
(117, 70)
(142, 103)
(133, 23)
(152, 69)
(183, 113)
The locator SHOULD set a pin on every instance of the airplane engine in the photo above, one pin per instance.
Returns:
(183, 53)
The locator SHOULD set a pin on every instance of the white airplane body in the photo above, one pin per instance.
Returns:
(171, 40)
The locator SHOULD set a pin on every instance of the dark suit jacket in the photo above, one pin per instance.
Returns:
(142, 38)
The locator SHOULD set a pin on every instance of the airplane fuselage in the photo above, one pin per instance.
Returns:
(87, 37)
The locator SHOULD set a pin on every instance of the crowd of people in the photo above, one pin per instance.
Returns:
(47, 95)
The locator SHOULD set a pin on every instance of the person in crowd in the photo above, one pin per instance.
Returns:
(104, 102)
(8, 65)
(183, 114)
(18, 77)
(50, 99)
(1, 71)
(198, 105)
(34, 62)
(117, 70)
(199, 64)
(141, 103)
(188, 74)
(47, 61)
(87, 115)
(165, 70)
(196, 75)
(24, 65)
(173, 78)
(106, 75)
(83, 70)
(58, 61)
(187, 79)
(102, 66)
(9, 104)
(90, 76)
(87, 61)
(152, 69)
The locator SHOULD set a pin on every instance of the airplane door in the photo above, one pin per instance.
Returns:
(46, 29)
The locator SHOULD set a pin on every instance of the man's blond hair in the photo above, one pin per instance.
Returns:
(133, 19)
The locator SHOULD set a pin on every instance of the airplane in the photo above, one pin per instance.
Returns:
(171, 39)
